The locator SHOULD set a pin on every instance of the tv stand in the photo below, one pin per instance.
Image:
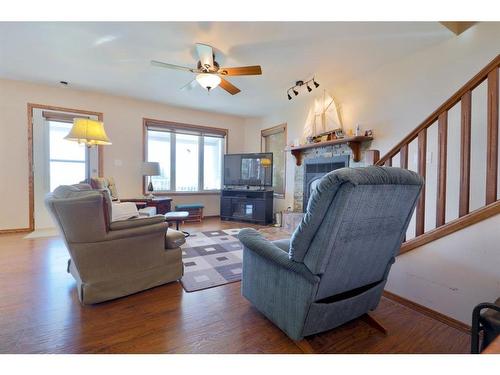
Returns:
(254, 206)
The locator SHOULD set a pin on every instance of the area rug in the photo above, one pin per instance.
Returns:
(211, 258)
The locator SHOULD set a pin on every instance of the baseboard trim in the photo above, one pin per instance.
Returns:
(429, 312)
(17, 230)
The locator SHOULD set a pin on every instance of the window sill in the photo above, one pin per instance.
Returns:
(173, 193)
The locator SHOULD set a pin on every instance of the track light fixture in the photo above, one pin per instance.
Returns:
(300, 84)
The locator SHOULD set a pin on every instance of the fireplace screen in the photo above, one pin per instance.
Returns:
(316, 168)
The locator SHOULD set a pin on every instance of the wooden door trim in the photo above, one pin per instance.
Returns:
(31, 192)
(283, 127)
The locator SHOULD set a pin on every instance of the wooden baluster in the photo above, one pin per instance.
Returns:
(403, 157)
(441, 172)
(492, 138)
(388, 163)
(422, 153)
(403, 163)
(465, 134)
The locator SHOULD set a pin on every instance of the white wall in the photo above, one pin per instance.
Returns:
(392, 101)
(453, 274)
(123, 122)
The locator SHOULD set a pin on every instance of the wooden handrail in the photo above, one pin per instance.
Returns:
(489, 73)
(474, 217)
(447, 105)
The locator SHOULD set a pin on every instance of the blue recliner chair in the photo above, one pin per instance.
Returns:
(335, 266)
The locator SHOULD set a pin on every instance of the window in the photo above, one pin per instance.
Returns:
(159, 150)
(274, 140)
(190, 157)
(212, 162)
(67, 160)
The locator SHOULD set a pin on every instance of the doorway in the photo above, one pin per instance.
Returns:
(56, 161)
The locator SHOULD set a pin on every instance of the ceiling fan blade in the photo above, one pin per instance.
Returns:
(172, 66)
(189, 85)
(206, 55)
(241, 71)
(229, 87)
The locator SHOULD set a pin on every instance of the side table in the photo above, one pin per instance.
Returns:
(162, 204)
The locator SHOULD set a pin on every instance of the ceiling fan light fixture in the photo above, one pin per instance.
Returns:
(289, 97)
(208, 81)
(316, 84)
(309, 89)
(295, 92)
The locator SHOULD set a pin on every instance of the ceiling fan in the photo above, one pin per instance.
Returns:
(208, 72)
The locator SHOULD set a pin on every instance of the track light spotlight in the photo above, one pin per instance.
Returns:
(299, 84)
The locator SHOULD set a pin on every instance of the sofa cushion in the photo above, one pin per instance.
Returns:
(123, 211)
(174, 239)
(103, 183)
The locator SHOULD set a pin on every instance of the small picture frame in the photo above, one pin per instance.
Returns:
(339, 133)
(368, 133)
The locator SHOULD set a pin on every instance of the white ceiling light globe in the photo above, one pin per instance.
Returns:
(208, 81)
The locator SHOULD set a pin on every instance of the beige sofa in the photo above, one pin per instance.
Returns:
(113, 259)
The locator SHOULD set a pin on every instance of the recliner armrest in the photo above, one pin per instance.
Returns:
(255, 242)
(136, 222)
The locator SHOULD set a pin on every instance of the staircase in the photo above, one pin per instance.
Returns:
(439, 119)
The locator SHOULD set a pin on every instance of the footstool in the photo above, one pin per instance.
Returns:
(177, 217)
(195, 211)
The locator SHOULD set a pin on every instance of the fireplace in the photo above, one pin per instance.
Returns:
(315, 168)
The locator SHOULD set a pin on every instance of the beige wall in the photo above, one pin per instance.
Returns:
(123, 122)
(453, 274)
(392, 101)
(396, 97)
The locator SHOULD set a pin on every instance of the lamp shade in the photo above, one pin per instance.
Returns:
(208, 81)
(90, 132)
(265, 162)
(151, 168)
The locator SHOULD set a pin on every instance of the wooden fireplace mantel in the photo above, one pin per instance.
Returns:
(353, 142)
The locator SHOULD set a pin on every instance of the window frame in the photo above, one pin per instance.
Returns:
(281, 128)
(148, 123)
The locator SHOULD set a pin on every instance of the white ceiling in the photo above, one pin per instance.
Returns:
(113, 57)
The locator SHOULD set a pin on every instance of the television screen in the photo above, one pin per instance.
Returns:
(248, 169)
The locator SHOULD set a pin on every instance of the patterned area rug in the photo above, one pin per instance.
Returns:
(211, 258)
(214, 258)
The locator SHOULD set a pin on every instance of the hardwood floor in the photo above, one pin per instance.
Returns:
(40, 313)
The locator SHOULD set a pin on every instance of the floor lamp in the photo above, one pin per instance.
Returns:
(90, 132)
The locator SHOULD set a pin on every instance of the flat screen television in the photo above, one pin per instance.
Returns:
(248, 169)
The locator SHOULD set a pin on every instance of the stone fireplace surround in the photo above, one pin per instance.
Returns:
(334, 153)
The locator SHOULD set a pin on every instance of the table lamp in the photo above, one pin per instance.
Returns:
(150, 168)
